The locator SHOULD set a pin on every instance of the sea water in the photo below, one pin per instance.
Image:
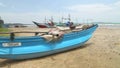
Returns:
(109, 25)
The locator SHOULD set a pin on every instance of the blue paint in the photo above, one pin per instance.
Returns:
(37, 46)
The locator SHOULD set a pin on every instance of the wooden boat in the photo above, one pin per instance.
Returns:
(44, 25)
(40, 25)
(36, 46)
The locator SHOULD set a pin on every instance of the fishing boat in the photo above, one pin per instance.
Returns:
(47, 23)
(40, 25)
(17, 48)
(44, 25)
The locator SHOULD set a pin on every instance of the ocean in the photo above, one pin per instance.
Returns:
(109, 25)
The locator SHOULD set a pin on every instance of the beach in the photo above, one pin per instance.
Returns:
(101, 51)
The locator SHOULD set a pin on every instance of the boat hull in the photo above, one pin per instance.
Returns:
(40, 54)
(43, 26)
(38, 47)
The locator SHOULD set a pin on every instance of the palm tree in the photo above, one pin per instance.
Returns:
(1, 23)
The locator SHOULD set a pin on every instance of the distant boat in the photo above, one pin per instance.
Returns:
(49, 24)
(46, 24)
(40, 25)
(37, 46)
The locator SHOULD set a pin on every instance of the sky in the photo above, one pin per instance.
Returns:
(26, 11)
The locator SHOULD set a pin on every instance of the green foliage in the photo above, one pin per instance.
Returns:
(0, 25)
(4, 30)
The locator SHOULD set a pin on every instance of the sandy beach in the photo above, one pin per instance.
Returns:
(101, 51)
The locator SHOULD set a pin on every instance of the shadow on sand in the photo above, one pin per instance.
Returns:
(7, 62)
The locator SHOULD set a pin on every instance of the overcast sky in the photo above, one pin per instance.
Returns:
(25, 11)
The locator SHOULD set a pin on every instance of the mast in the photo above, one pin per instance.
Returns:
(45, 19)
(62, 19)
(52, 23)
(69, 17)
(51, 18)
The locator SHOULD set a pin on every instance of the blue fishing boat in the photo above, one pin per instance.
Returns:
(36, 46)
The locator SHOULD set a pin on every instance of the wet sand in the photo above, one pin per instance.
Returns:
(101, 51)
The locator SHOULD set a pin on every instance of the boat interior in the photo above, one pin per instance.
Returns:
(54, 34)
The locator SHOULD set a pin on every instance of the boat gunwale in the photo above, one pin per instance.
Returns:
(36, 36)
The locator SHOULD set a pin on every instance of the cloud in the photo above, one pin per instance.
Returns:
(98, 12)
(2, 5)
(95, 8)
(117, 4)
(27, 18)
(90, 8)
(95, 12)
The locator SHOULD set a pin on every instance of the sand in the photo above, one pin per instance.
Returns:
(101, 51)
